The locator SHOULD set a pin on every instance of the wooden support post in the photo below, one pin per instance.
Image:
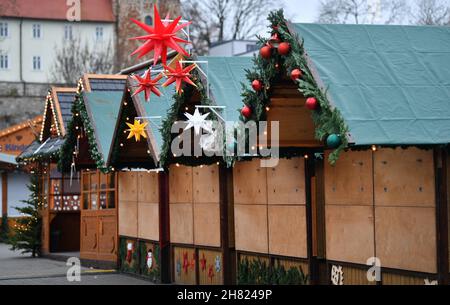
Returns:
(313, 265)
(440, 165)
(5, 195)
(164, 228)
(226, 204)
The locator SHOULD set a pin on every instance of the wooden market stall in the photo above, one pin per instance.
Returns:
(200, 187)
(144, 248)
(86, 150)
(375, 193)
(60, 192)
(13, 141)
(386, 196)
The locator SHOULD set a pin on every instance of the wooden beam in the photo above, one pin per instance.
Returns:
(226, 200)
(164, 228)
(312, 259)
(440, 165)
(5, 194)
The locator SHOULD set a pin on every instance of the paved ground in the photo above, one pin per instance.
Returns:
(17, 269)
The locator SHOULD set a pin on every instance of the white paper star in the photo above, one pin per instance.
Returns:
(197, 121)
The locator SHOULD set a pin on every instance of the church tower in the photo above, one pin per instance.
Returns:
(141, 10)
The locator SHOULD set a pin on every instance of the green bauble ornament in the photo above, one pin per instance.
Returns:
(333, 141)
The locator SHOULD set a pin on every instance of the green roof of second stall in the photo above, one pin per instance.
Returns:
(226, 75)
(103, 110)
(390, 83)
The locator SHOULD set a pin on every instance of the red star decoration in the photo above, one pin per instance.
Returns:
(203, 263)
(147, 84)
(185, 262)
(193, 261)
(161, 37)
(211, 272)
(179, 75)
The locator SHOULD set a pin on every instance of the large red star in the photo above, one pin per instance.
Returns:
(161, 37)
(147, 84)
(179, 75)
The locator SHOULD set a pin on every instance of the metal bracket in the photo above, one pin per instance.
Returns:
(150, 119)
(213, 109)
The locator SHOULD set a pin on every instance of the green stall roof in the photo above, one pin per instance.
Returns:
(103, 110)
(225, 77)
(391, 83)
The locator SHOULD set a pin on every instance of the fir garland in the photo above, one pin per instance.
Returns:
(80, 118)
(258, 272)
(327, 119)
(174, 114)
(126, 112)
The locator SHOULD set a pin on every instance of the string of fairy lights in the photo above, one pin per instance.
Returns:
(49, 101)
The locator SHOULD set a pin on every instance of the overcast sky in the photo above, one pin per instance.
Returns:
(302, 10)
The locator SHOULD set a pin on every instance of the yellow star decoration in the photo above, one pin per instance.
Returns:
(137, 130)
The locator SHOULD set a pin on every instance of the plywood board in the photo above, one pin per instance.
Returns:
(289, 112)
(404, 177)
(148, 187)
(287, 231)
(286, 182)
(107, 238)
(249, 183)
(89, 230)
(349, 233)
(210, 267)
(206, 184)
(207, 224)
(148, 225)
(251, 228)
(180, 184)
(128, 186)
(350, 181)
(406, 238)
(181, 223)
(128, 215)
(184, 265)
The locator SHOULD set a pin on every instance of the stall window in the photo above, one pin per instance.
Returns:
(64, 194)
(99, 191)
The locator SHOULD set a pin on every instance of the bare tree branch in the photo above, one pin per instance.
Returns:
(219, 20)
(363, 11)
(432, 12)
(74, 58)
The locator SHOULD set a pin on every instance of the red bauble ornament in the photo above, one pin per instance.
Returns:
(296, 74)
(257, 85)
(284, 48)
(265, 52)
(246, 112)
(179, 75)
(311, 103)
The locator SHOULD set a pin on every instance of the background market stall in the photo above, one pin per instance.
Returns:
(86, 149)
